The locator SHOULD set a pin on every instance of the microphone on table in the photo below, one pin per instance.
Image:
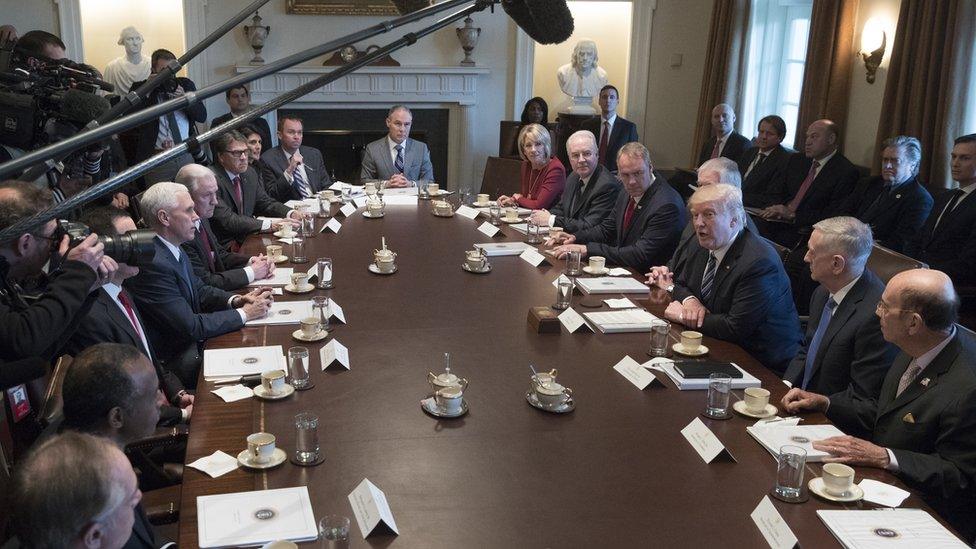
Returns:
(545, 21)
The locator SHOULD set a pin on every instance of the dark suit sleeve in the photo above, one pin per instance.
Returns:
(274, 182)
(872, 358)
(228, 225)
(854, 414)
(267, 206)
(196, 112)
(910, 221)
(599, 208)
(230, 279)
(755, 292)
(632, 134)
(661, 230)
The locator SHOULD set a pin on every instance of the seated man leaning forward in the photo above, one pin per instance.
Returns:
(921, 425)
(645, 224)
(730, 284)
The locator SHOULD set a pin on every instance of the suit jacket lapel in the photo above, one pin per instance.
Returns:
(386, 157)
(585, 195)
(218, 262)
(181, 274)
(635, 221)
(120, 319)
(728, 263)
(932, 372)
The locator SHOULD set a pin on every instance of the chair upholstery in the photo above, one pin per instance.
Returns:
(886, 263)
(502, 176)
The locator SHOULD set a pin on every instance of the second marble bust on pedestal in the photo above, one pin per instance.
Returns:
(132, 67)
(581, 80)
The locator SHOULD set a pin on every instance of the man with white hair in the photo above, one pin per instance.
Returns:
(730, 284)
(183, 309)
(716, 171)
(843, 349)
(590, 192)
(121, 72)
(725, 141)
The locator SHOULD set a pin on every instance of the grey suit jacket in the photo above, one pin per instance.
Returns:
(378, 164)
(274, 162)
(574, 213)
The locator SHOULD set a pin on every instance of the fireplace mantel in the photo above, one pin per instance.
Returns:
(454, 88)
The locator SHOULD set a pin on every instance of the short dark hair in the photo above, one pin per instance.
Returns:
(34, 42)
(161, 54)
(101, 220)
(27, 201)
(96, 382)
(776, 122)
(249, 129)
(542, 104)
(283, 117)
(241, 87)
(937, 313)
(223, 141)
(609, 87)
(968, 138)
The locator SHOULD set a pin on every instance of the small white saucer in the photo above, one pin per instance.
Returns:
(277, 458)
(740, 406)
(281, 259)
(481, 204)
(260, 392)
(440, 192)
(443, 214)
(512, 222)
(279, 234)
(300, 335)
(568, 406)
(294, 290)
(816, 486)
(430, 406)
(376, 270)
(470, 270)
(368, 215)
(590, 271)
(680, 349)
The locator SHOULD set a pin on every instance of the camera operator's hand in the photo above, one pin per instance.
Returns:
(106, 271)
(179, 92)
(8, 34)
(90, 251)
(121, 201)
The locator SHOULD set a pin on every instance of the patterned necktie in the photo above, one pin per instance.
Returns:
(299, 184)
(127, 305)
(238, 194)
(804, 187)
(814, 347)
(717, 149)
(908, 377)
(708, 278)
(398, 163)
(604, 138)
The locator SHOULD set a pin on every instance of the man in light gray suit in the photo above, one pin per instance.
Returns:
(395, 157)
(292, 171)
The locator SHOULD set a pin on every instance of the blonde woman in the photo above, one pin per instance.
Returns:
(543, 175)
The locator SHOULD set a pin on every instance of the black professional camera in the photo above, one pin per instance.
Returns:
(131, 248)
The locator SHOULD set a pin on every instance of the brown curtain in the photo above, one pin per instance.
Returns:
(927, 81)
(827, 73)
(725, 65)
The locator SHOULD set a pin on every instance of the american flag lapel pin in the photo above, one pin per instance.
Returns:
(925, 382)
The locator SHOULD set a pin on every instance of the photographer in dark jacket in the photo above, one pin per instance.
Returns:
(37, 326)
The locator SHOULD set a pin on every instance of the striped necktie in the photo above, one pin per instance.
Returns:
(299, 184)
(398, 163)
(708, 278)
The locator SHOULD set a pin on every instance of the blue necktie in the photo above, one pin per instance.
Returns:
(298, 182)
(398, 163)
(189, 280)
(814, 347)
(708, 278)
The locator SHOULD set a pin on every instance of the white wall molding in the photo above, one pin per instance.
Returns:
(69, 25)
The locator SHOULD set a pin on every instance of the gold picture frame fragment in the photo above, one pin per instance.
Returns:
(340, 7)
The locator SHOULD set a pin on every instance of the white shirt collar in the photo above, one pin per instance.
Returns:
(231, 175)
(610, 119)
(392, 144)
(112, 289)
(840, 294)
(968, 188)
(175, 250)
(823, 161)
(928, 356)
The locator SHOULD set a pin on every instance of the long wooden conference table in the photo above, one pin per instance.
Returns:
(614, 472)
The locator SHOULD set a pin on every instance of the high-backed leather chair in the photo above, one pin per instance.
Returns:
(502, 176)
(886, 263)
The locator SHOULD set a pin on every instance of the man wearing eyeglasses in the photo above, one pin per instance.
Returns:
(921, 425)
(37, 326)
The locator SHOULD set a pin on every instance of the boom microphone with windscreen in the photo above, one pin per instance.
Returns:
(545, 21)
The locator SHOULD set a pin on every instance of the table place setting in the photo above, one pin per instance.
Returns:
(476, 261)
(467, 212)
(299, 283)
(371, 509)
(284, 312)
(547, 395)
(447, 397)
(233, 393)
(384, 261)
(348, 209)
(254, 518)
(489, 230)
(375, 208)
(333, 225)
(533, 257)
(441, 208)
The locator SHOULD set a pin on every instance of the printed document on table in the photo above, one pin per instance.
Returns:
(627, 320)
(888, 529)
(255, 518)
(611, 285)
(280, 277)
(284, 312)
(666, 365)
(399, 191)
(503, 248)
(773, 436)
(241, 361)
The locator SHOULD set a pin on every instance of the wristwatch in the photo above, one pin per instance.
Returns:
(670, 288)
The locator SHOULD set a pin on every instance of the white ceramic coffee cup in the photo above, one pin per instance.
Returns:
(691, 340)
(310, 326)
(261, 446)
(837, 478)
(273, 251)
(299, 280)
(483, 198)
(551, 393)
(273, 381)
(475, 260)
(511, 214)
(597, 263)
(287, 229)
(385, 264)
(449, 399)
(328, 194)
(433, 188)
(375, 207)
(756, 399)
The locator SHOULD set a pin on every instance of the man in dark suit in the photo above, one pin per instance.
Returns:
(843, 348)
(168, 131)
(947, 240)
(397, 158)
(115, 318)
(181, 309)
(240, 194)
(646, 221)
(894, 204)
(292, 171)
(211, 262)
(731, 285)
(921, 426)
(590, 193)
(725, 141)
(611, 131)
(239, 101)
(764, 165)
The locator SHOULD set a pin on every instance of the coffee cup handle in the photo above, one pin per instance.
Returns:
(464, 384)
(567, 391)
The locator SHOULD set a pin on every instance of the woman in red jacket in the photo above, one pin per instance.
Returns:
(543, 175)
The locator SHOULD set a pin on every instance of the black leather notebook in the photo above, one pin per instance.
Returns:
(701, 370)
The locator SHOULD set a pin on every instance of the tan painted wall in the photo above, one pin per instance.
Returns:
(159, 21)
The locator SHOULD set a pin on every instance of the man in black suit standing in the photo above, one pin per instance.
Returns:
(612, 132)
(894, 203)
(182, 310)
(921, 426)
(241, 195)
(646, 221)
(239, 101)
(591, 190)
(115, 318)
(731, 285)
(725, 141)
(211, 262)
(843, 348)
(947, 240)
(764, 165)
(292, 171)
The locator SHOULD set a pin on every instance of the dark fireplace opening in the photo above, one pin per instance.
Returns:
(341, 135)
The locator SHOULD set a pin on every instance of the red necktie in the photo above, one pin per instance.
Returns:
(604, 137)
(205, 239)
(715, 149)
(239, 195)
(804, 187)
(127, 304)
(629, 214)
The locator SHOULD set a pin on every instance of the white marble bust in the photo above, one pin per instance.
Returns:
(132, 67)
(581, 79)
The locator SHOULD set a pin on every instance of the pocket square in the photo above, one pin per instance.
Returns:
(909, 418)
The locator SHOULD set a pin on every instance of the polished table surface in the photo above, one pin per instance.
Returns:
(614, 471)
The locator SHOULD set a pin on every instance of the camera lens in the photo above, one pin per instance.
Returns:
(131, 248)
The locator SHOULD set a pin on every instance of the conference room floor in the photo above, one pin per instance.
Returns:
(614, 472)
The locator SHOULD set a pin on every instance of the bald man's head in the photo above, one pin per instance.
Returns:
(928, 293)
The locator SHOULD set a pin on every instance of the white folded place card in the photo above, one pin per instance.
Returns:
(288, 241)
(622, 303)
(772, 526)
(488, 229)
(333, 225)
(532, 257)
(371, 509)
(216, 464)
(359, 201)
(572, 321)
(348, 209)
(467, 211)
(234, 392)
(630, 369)
(334, 352)
(704, 441)
(883, 494)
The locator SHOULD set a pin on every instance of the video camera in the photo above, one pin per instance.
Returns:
(132, 248)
